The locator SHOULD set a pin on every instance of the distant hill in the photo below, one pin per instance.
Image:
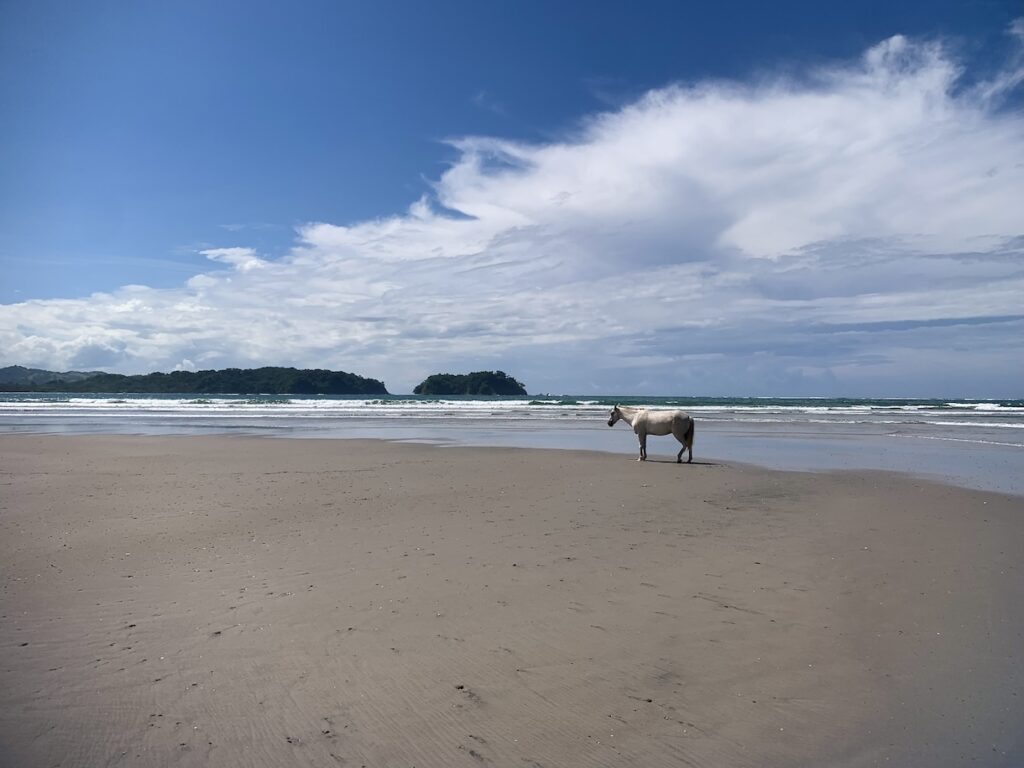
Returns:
(477, 383)
(267, 381)
(19, 374)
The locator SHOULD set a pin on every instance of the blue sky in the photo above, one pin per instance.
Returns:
(597, 197)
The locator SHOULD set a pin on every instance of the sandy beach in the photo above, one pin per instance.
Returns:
(228, 601)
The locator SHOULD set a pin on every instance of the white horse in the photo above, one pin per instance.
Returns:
(646, 422)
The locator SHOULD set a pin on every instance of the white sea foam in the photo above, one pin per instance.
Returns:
(955, 416)
(964, 440)
(986, 424)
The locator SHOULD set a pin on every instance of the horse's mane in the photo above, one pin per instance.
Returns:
(630, 408)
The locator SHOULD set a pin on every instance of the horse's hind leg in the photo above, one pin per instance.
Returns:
(643, 448)
(680, 431)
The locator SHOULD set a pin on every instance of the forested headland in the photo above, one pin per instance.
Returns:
(243, 381)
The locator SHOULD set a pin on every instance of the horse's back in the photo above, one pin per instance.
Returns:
(662, 422)
(667, 416)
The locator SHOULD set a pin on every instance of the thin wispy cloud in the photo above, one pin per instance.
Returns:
(250, 226)
(488, 103)
(855, 230)
(242, 259)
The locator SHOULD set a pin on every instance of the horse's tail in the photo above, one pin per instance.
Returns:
(688, 437)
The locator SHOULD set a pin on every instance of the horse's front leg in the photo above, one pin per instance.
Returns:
(643, 447)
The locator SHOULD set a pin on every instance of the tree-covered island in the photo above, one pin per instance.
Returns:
(476, 383)
(263, 381)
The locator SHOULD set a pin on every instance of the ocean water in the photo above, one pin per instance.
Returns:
(975, 443)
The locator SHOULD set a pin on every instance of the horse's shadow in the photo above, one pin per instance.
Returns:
(673, 461)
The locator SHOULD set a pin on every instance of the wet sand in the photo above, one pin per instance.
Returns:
(227, 601)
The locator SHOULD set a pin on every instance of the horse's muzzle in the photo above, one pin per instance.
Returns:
(611, 423)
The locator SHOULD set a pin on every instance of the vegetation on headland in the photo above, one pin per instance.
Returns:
(267, 380)
(19, 375)
(476, 383)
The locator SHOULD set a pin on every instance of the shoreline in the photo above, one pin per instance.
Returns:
(987, 466)
(235, 601)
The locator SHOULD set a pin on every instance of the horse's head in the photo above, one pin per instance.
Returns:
(615, 415)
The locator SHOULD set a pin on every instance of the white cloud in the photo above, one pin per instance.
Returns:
(242, 259)
(857, 230)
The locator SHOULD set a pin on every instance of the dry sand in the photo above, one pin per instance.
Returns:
(244, 602)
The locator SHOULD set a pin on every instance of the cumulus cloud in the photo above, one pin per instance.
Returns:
(856, 230)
